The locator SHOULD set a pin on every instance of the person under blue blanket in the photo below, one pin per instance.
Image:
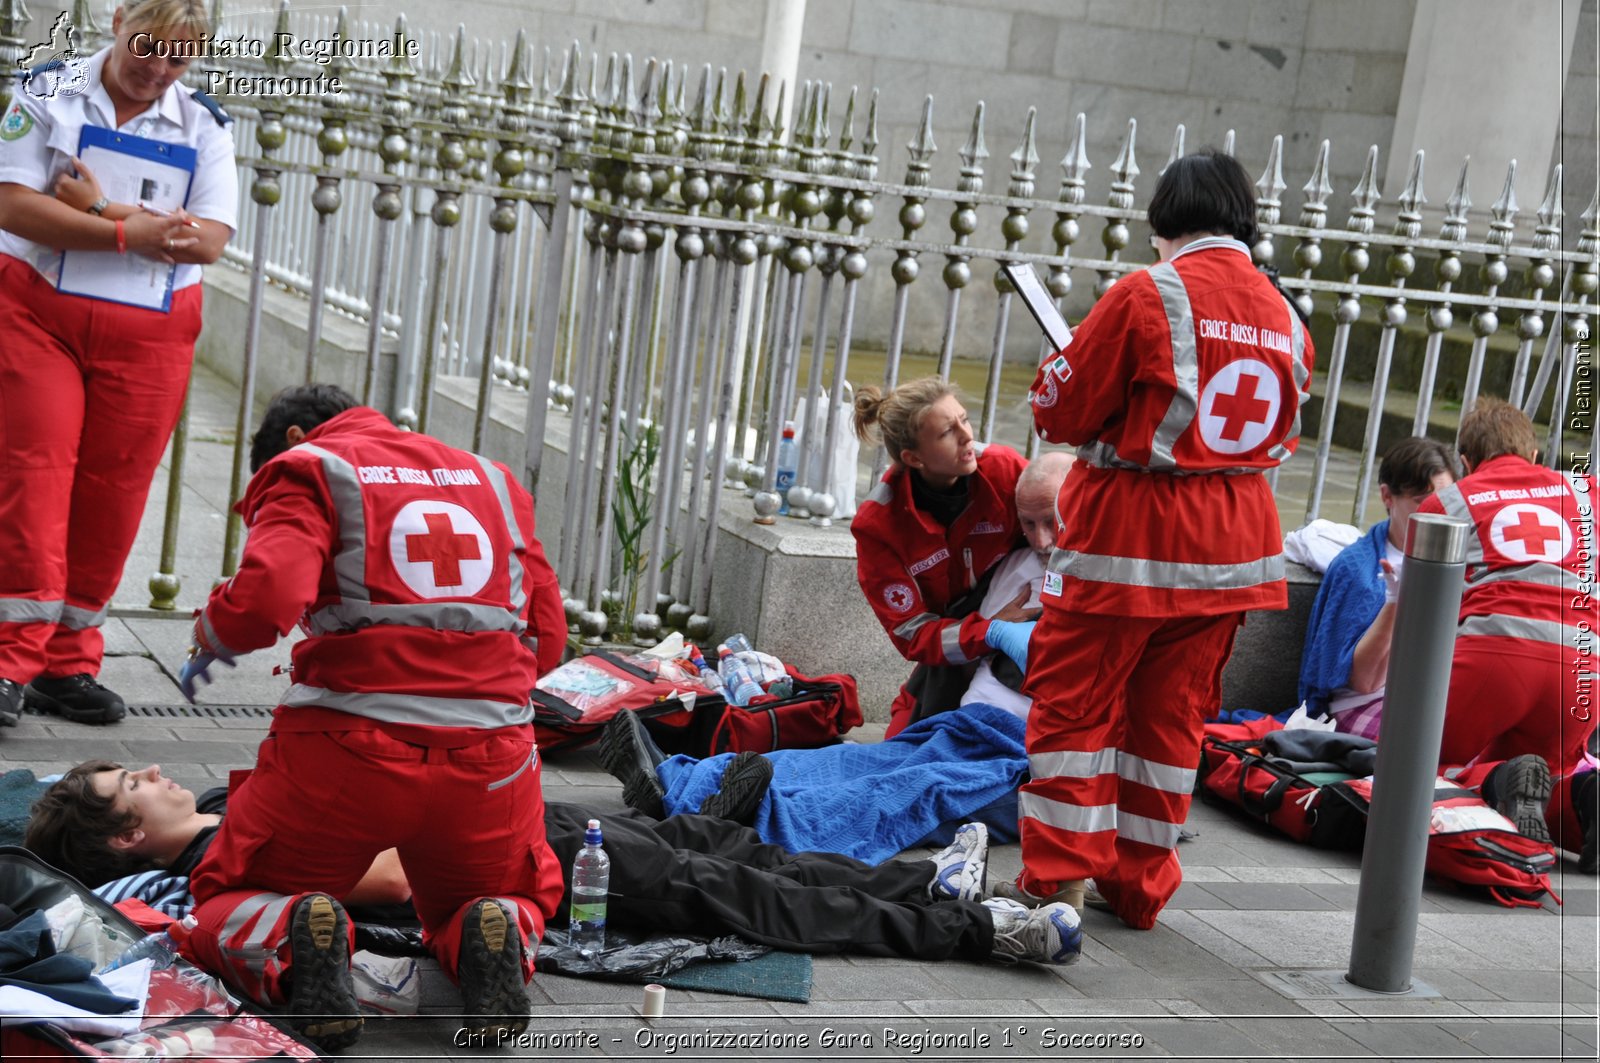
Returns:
(1346, 654)
(872, 801)
(867, 801)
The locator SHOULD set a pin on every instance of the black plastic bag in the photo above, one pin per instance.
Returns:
(639, 960)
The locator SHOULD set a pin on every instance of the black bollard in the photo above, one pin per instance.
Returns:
(1390, 893)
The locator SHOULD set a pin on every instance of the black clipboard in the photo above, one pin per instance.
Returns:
(1036, 297)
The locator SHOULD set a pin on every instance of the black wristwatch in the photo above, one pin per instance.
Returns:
(99, 205)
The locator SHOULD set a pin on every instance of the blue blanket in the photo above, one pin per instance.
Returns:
(873, 801)
(1349, 598)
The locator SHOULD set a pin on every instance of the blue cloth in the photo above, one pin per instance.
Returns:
(1347, 602)
(873, 801)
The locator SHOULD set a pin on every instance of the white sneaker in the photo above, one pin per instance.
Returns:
(962, 869)
(1048, 934)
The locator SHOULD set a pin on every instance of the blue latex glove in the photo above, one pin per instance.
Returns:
(1011, 638)
(196, 668)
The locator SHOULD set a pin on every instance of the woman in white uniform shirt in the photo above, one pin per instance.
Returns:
(90, 390)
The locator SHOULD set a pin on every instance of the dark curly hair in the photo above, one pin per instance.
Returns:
(71, 827)
(304, 406)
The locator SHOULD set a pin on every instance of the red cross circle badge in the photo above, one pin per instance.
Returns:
(1524, 532)
(440, 550)
(1239, 406)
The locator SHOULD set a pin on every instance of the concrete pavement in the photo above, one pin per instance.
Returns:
(1222, 976)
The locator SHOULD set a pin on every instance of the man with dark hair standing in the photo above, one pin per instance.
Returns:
(430, 610)
(1521, 681)
(1180, 389)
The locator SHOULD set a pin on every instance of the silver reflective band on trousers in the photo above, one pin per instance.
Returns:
(1418, 683)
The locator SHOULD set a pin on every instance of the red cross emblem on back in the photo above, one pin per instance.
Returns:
(442, 546)
(1526, 532)
(1241, 408)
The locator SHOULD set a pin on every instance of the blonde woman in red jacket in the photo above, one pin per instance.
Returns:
(941, 518)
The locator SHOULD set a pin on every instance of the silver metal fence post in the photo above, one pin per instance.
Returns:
(1396, 847)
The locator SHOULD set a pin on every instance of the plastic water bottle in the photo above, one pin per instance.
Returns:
(788, 465)
(591, 884)
(739, 643)
(741, 682)
(160, 947)
(708, 674)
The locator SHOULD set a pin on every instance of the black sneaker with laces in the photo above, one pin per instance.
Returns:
(493, 989)
(744, 783)
(79, 698)
(322, 992)
(631, 755)
(10, 703)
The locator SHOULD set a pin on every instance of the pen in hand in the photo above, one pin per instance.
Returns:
(158, 212)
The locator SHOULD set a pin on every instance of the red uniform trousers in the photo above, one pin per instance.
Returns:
(89, 394)
(468, 822)
(1514, 696)
(1119, 705)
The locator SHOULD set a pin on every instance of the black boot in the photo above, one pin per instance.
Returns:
(1519, 789)
(10, 703)
(79, 698)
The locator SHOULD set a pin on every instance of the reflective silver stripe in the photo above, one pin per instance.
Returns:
(413, 708)
(1455, 505)
(1102, 455)
(1169, 575)
(1540, 572)
(80, 619)
(350, 563)
(1084, 819)
(915, 624)
(950, 642)
(1521, 627)
(244, 913)
(1281, 452)
(497, 479)
(1156, 775)
(882, 494)
(270, 914)
(440, 616)
(1147, 830)
(531, 643)
(532, 755)
(28, 611)
(1185, 365)
(220, 648)
(1072, 764)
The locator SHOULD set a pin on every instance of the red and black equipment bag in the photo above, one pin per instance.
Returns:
(1469, 843)
(187, 1012)
(572, 703)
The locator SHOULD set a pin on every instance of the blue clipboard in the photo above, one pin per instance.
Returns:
(130, 169)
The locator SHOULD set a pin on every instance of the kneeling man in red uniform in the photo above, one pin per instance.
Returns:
(429, 610)
(1518, 716)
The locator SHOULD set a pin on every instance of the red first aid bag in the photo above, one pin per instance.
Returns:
(572, 703)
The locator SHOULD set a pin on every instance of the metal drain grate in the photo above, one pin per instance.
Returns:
(225, 712)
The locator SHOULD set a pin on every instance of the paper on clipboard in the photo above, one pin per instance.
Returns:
(130, 169)
(1039, 302)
